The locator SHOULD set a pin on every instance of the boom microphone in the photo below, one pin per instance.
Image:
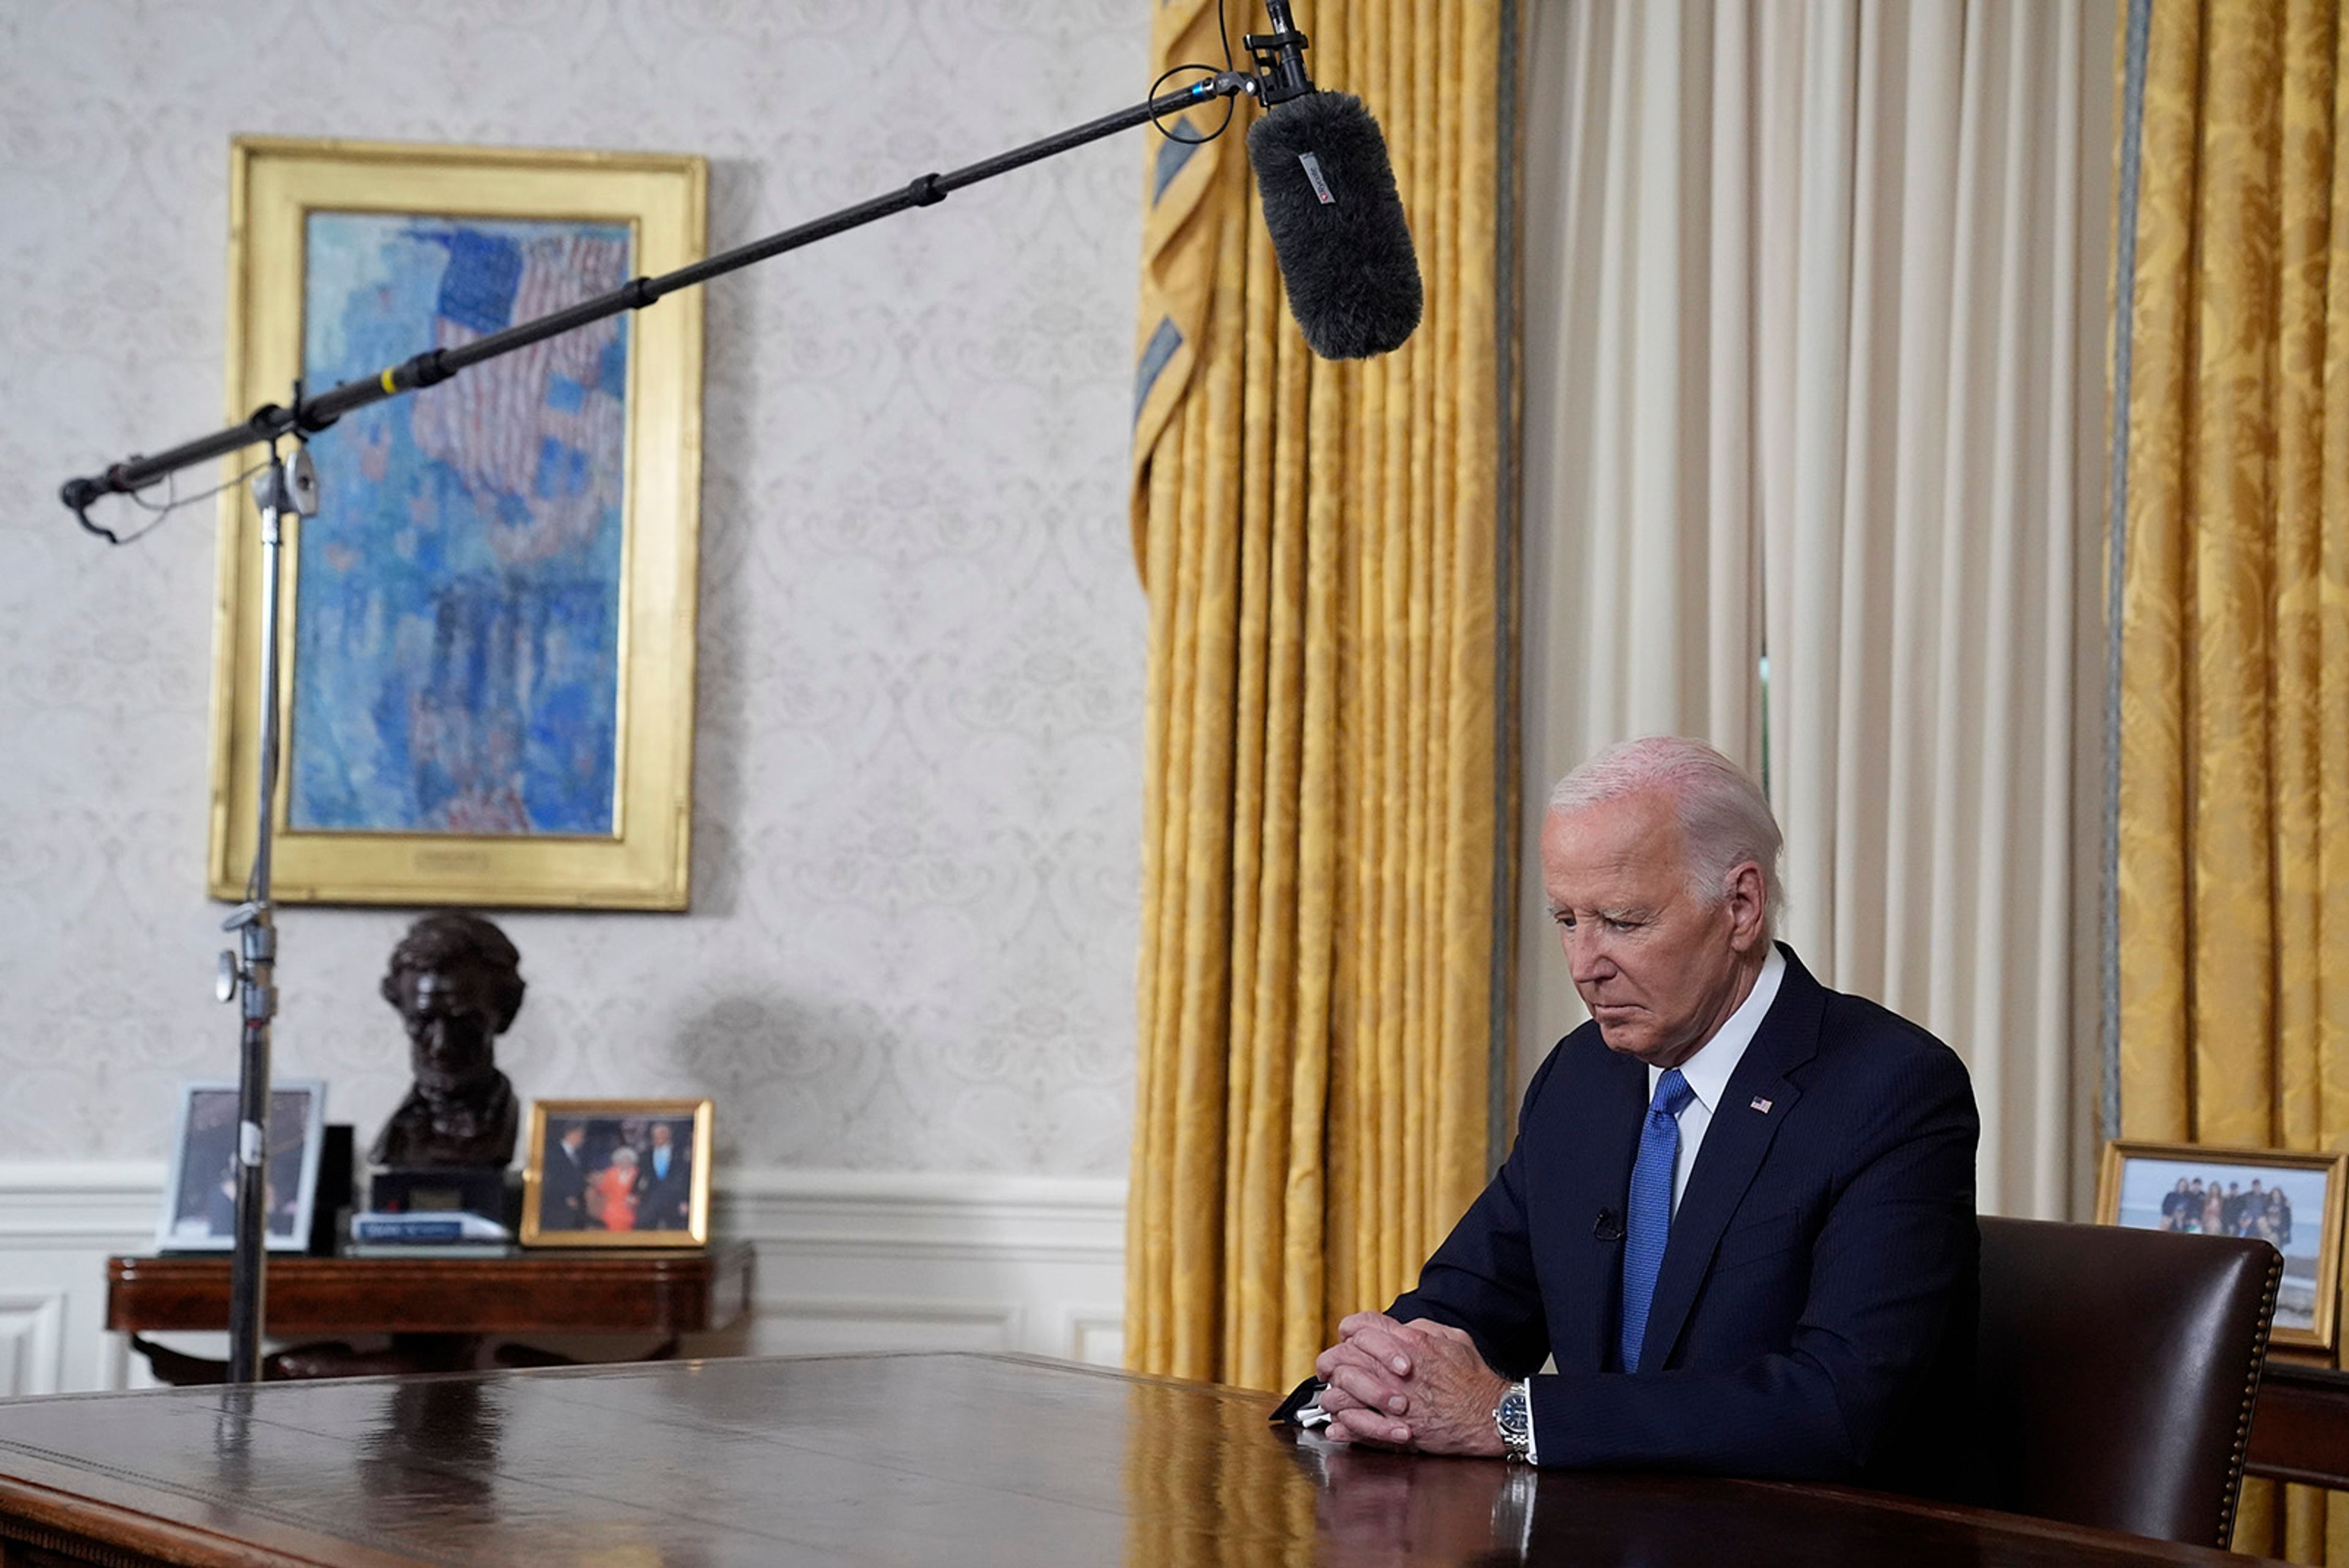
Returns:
(1331, 207)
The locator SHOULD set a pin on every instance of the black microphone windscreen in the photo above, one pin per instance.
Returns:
(1337, 224)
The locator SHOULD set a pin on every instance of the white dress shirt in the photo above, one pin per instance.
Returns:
(1708, 1071)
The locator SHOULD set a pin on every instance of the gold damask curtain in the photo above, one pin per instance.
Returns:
(1321, 546)
(2232, 897)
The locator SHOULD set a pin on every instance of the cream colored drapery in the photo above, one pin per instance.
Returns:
(1320, 543)
(1808, 372)
(2232, 392)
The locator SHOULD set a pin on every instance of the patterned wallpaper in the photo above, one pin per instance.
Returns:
(917, 809)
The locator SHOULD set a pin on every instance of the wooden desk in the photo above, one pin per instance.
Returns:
(437, 1309)
(854, 1461)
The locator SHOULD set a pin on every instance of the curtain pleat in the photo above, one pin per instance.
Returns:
(1930, 226)
(1810, 396)
(1319, 544)
(2232, 882)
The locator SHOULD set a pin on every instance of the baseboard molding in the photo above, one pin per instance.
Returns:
(846, 1261)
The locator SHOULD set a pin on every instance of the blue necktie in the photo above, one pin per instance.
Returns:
(1651, 1216)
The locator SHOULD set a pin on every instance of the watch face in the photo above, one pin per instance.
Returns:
(1510, 1415)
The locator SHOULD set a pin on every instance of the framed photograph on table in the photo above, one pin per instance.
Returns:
(2292, 1200)
(617, 1173)
(200, 1192)
(488, 657)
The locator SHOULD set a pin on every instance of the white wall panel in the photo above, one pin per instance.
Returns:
(32, 1342)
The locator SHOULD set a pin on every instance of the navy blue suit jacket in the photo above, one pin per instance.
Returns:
(1814, 1314)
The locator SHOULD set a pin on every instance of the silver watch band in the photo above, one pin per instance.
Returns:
(1513, 1420)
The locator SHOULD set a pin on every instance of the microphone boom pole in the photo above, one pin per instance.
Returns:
(270, 421)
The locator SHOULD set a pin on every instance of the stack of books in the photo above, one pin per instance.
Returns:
(444, 1233)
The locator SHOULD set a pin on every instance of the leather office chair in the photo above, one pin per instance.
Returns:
(2116, 1373)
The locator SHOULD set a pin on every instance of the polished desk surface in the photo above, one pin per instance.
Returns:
(879, 1460)
(538, 1292)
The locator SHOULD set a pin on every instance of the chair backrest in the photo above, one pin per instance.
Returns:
(2115, 1372)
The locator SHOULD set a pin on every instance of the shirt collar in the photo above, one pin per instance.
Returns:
(1709, 1069)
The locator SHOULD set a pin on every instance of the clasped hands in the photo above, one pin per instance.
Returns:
(1421, 1386)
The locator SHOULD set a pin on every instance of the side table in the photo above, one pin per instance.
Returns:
(2300, 1428)
(437, 1310)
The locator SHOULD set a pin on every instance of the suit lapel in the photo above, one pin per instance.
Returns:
(1734, 1146)
(1602, 1137)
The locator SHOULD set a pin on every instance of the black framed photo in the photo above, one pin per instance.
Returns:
(617, 1173)
(200, 1193)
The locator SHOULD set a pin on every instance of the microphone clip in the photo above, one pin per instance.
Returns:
(1608, 1228)
(1279, 58)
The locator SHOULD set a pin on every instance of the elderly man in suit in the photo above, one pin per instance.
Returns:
(665, 1183)
(1739, 1214)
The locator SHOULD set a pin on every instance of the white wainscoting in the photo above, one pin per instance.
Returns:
(58, 1223)
(846, 1261)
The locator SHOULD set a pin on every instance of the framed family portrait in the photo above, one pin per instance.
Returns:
(200, 1192)
(2292, 1200)
(617, 1173)
(487, 654)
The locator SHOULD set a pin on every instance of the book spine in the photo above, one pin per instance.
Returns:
(408, 1230)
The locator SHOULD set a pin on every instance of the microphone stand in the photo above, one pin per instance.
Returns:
(284, 488)
(288, 488)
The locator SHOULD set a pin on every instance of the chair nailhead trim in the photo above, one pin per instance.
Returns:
(2234, 1488)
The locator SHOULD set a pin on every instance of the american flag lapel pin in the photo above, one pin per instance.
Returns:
(1761, 1105)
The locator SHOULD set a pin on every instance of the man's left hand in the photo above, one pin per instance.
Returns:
(1448, 1392)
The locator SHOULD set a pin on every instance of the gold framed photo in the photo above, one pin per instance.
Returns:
(2291, 1200)
(487, 654)
(616, 1173)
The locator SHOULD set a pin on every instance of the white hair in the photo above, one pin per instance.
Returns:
(1724, 818)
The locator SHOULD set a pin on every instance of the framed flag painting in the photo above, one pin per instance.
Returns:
(487, 653)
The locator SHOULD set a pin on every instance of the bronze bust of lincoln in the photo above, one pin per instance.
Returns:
(457, 982)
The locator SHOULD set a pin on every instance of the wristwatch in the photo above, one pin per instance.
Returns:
(1513, 1419)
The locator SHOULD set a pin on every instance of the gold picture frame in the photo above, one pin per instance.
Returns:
(596, 816)
(603, 1153)
(2139, 1184)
